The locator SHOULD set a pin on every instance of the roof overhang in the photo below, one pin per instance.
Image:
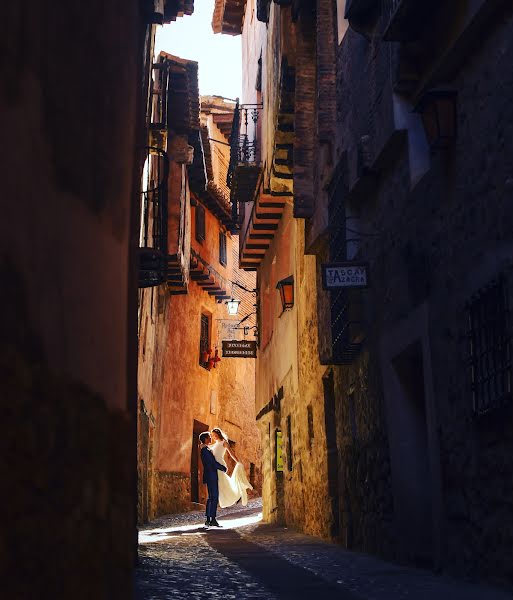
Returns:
(183, 94)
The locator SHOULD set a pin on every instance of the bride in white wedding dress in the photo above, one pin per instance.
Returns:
(232, 488)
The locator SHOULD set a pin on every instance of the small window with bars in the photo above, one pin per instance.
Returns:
(290, 458)
(490, 347)
(222, 248)
(204, 340)
(311, 433)
(200, 223)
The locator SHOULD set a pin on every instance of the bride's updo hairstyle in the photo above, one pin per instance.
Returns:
(220, 433)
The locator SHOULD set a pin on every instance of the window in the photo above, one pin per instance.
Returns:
(490, 347)
(310, 426)
(204, 340)
(279, 451)
(289, 443)
(222, 248)
(200, 223)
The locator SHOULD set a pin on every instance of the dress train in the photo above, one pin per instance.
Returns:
(234, 487)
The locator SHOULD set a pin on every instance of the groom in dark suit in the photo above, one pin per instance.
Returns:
(210, 468)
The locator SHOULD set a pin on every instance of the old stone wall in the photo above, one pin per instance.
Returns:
(432, 243)
(173, 492)
(289, 389)
(365, 499)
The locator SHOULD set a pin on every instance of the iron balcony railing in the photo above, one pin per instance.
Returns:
(244, 139)
(153, 246)
(347, 306)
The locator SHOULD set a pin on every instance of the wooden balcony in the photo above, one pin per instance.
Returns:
(228, 16)
(206, 277)
(261, 229)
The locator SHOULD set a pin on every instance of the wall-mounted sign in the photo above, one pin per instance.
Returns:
(279, 455)
(229, 329)
(239, 349)
(345, 275)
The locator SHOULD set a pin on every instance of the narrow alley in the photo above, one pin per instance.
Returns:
(180, 559)
(257, 300)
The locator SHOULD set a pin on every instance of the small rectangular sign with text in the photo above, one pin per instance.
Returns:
(239, 349)
(345, 275)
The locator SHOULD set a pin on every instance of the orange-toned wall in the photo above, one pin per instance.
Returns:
(177, 390)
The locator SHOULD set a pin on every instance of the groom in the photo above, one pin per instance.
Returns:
(210, 468)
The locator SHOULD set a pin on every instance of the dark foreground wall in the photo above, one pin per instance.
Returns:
(424, 476)
(69, 108)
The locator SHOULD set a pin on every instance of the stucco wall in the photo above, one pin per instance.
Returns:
(178, 391)
(69, 112)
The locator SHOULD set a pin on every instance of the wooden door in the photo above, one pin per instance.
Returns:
(197, 494)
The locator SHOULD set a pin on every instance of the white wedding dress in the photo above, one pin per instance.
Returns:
(231, 487)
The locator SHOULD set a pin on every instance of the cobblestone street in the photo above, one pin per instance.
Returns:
(180, 559)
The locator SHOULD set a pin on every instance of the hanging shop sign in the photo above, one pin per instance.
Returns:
(279, 454)
(239, 349)
(345, 275)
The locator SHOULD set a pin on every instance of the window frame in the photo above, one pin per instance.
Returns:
(223, 253)
(310, 425)
(290, 458)
(204, 347)
(200, 223)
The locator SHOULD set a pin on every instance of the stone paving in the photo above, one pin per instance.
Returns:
(180, 559)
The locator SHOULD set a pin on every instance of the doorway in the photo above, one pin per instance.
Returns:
(412, 474)
(413, 439)
(196, 464)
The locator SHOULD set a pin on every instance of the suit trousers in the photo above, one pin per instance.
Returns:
(213, 498)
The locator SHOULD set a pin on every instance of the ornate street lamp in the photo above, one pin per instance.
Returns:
(233, 306)
(286, 287)
(438, 110)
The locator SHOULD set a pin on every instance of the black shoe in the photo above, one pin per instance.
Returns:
(207, 523)
(214, 523)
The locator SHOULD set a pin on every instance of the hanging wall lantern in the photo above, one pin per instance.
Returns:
(233, 306)
(438, 110)
(286, 287)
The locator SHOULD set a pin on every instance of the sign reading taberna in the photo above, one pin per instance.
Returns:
(345, 275)
(239, 348)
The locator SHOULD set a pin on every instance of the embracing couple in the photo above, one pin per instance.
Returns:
(222, 488)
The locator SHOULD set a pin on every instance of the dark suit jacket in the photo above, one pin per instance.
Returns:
(210, 465)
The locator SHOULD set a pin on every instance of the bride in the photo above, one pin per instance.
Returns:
(232, 488)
